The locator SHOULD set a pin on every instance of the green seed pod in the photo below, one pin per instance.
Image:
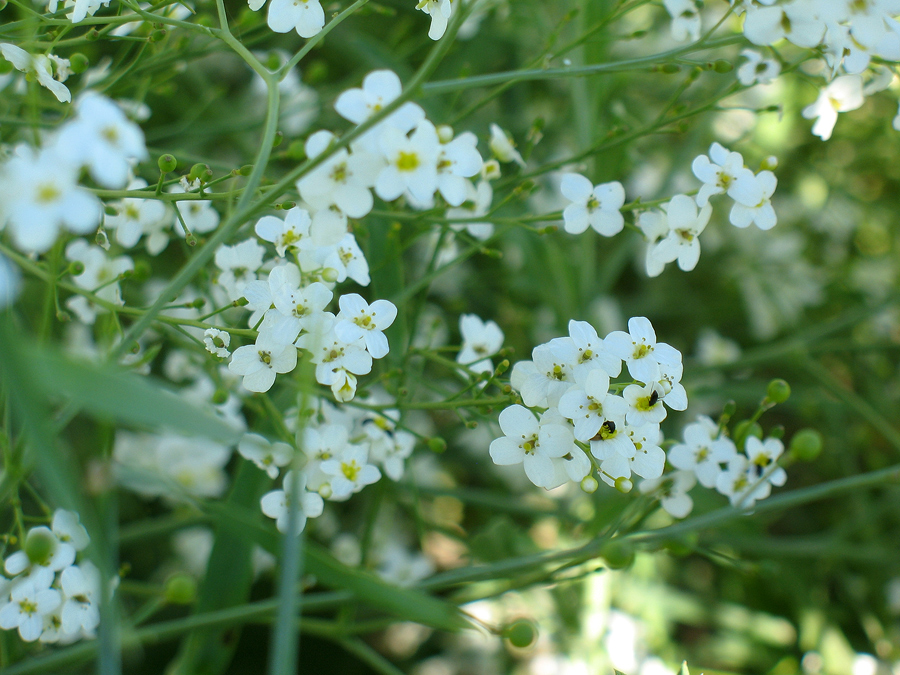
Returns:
(166, 163)
(79, 63)
(437, 444)
(778, 391)
(722, 66)
(806, 445)
(181, 589)
(521, 633)
(618, 554)
(40, 545)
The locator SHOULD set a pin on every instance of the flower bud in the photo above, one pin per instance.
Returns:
(618, 554)
(76, 267)
(668, 68)
(142, 270)
(521, 633)
(190, 239)
(778, 391)
(624, 485)
(729, 409)
(200, 172)
(181, 589)
(722, 66)
(63, 317)
(40, 545)
(589, 484)
(286, 206)
(502, 367)
(78, 63)
(329, 274)
(777, 431)
(445, 133)
(437, 444)
(279, 137)
(219, 396)
(806, 445)
(157, 35)
(92, 35)
(246, 170)
(770, 163)
(166, 163)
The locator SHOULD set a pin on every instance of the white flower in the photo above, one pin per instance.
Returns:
(391, 454)
(672, 491)
(531, 443)
(259, 362)
(296, 309)
(238, 264)
(217, 342)
(290, 233)
(39, 194)
(57, 555)
(345, 258)
(798, 21)
(704, 451)
(585, 350)
(645, 405)
(503, 147)
(81, 589)
(590, 405)
(102, 138)
(719, 172)
(640, 351)
(40, 65)
(759, 212)
(682, 241)
(412, 164)
(306, 16)
(68, 529)
(762, 456)
(358, 319)
(458, 159)
(351, 472)
(477, 203)
(845, 93)
(334, 357)
(757, 70)
(27, 606)
(266, 455)
(136, 217)
(685, 19)
(545, 379)
(278, 503)
(480, 341)
(199, 214)
(597, 206)
(439, 11)
(101, 273)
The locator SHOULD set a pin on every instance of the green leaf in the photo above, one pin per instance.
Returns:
(108, 391)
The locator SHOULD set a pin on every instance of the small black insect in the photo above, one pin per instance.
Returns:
(654, 397)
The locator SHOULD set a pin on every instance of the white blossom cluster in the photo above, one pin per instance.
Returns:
(39, 191)
(47, 596)
(342, 451)
(710, 458)
(853, 37)
(588, 423)
(674, 232)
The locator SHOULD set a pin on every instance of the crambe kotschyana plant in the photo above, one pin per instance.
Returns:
(351, 331)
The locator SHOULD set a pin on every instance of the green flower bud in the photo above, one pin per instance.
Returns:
(624, 485)
(296, 151)
(40, 545)
(63, 317)
(770, 163)
(669, 68)
(279, 137)
(142, 270)
(200, 172)
(722, 66)
(157, 35)
(190, 239)
(287, 206)
(246, 170)
(729, 408)
(79, 63)
(92, 35)
(220, 396)
(502, 367)
(76, 267)
(589, 484)
(778, 391)
(521, 633)
(166, 163)
(181, 589)
(806, 445)
(777, 431)
(329, 274)
(198, 303)
(618, 554)
(437, 444)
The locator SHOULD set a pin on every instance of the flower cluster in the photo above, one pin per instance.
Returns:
(47, 595)
(588, 422)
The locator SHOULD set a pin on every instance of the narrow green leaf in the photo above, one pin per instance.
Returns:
(107, 391)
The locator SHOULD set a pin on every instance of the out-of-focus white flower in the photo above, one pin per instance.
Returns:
(440, 12)
(480, 341)
(40, 65)
(503, 147)
(279, 503)
(10, 282)
(305, 16)
(259, 362)
(845, 93)
(217, 342)
(685, 19)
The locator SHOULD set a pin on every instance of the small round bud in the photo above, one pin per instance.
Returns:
(722, 66)
(157, 35)
(142, 270)
(747, 428)
(219, 396)
(806, 445)
(770, 163)
(40, 544)
(777, 431)
(329, 274)
(502, 367)
(63, 317)
(166, 163)
(78, 63)
(287, 206)
(445, 133)
(246, 170)
(200, 172)
(190, 239)
(279, 137)
(135, 347)
(76, 267)
(92, 35)
(521, 633)
(624, 485)
(181, 589)
(325, 491)
(437, 444)
(778, 391)
(669, 68)
(589, 484)
(241, 302)
(729, 408)
(197, 303)
(618, 554)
